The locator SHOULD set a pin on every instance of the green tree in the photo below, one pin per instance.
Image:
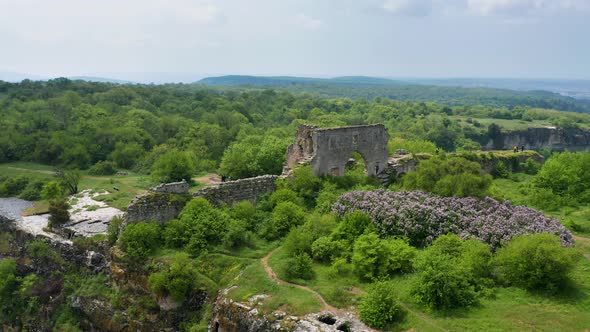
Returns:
(139, 240)
(173, 166)
(58, 212)
(374, 258)
(285, 216)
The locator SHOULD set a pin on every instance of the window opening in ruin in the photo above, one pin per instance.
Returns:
(335, 171)
(355, 139)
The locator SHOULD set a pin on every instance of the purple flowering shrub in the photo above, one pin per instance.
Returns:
(422, 217)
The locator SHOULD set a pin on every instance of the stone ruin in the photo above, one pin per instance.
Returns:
(328, 150)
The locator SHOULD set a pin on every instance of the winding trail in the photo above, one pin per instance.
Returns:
(325, 305)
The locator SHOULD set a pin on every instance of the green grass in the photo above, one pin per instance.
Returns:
(340, 291)
(254, 280)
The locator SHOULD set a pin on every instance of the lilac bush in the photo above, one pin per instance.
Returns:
(422, 217)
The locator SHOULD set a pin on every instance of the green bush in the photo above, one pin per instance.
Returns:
(284, 195)
(299, 241)
(374, 258)
(455, 176)
(32, 191)
(139, 240)
(285, 216)
(52, 190)
(352, 226)
(13, 186)
(500, 170)
(199, 224)
(104, 167)
(325, 249)
(237, 234)
(299, 267)
(245, 212)
(58, 212)
(178, 279)
(113, 229)
(380, 307)
(452, 273)
(565, 174)
(306, 184)
(535, 262)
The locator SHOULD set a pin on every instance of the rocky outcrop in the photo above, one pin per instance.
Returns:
(234, 316)
(231, 192)
(559, 139)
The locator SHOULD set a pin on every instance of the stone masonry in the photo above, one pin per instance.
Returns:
(328, 150)
(231, 192)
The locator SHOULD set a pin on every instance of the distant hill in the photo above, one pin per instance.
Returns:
(237, 80)
(99, 79)
(370, 88)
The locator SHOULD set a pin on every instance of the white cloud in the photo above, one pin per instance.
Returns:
(408, 7)
(308, 22)
(525, 7)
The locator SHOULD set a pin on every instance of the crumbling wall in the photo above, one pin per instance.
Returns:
(160, 207)
(231, 192)
(328, 150)
(172, 188)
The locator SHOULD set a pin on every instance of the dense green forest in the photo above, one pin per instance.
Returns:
(446, 247)
(370, 88)
(77, 124)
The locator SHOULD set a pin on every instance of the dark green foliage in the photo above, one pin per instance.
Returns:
(52, 190)
(284, 195)
(449, 177)
(380, 307)
(535, 262)
(325, 249)
(103, 167)
(43, 251)
(237, 234)
(352, 226)
(58, 212)
(173, 166)
(500, 170)
(139, 240)
(299, 267)
(530, 166)
(452, 273)
(374, 258)
(246, 213)
(285, 216)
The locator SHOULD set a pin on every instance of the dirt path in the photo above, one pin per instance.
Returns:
(273, 276)
(325, 305)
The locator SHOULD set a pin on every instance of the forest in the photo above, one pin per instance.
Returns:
(447, 246)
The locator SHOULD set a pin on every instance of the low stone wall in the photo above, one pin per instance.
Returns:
(231, 192)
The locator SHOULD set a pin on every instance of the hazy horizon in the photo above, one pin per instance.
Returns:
(162, 41)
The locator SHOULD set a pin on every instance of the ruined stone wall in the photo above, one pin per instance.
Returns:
(160, 207)
(334, 147)
(231, 192)
(554, 138)
(172, 188)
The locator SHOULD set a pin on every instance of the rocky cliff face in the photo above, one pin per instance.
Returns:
(549, 137)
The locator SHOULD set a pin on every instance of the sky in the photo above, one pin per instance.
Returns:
(184, 40)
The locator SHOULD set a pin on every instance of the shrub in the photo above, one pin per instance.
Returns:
(284, 195)
(374, 258)
(530, 166)
(299, 241)
(32, 192)
(500, 170)
(139, 240)
(284, 216)
(565, 174)
(452, 273)
(353, 225)
(58, 212)
(380, 307)
(299, 267)
(423, 217)
(13, 186)
(103, 167)
(449, 177)
(324, 249)
(113, 229)
(237, 234)
(179, 279)
(198, 225)
(245, 212)
(535, 262)
(306, 184)
(52, 190)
